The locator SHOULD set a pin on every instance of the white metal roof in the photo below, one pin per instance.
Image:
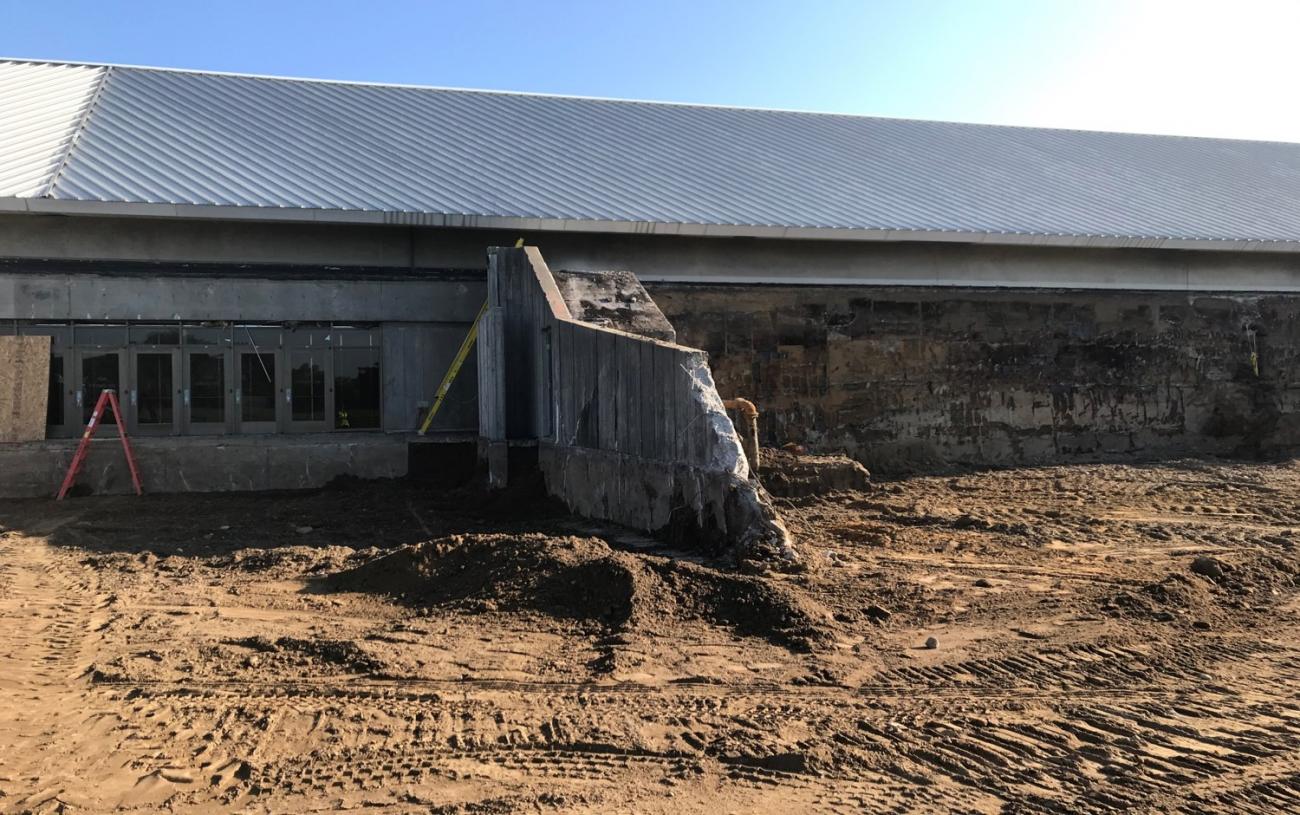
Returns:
(124, 140)
(40, 109)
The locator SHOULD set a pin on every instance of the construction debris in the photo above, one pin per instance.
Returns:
(627, 428)
(793, 475)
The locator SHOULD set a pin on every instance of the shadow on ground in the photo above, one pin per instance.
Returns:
(348, 512)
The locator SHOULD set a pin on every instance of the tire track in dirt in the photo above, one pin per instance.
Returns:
(49, 606)
(950, 737)
(1255, 796)
(1038, 699)
(66, 745)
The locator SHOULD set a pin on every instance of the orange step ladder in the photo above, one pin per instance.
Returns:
(107, 399)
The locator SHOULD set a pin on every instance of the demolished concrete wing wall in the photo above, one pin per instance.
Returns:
(630, 429)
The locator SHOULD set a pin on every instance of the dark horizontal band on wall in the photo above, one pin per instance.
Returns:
(276, 271)
(468, 220)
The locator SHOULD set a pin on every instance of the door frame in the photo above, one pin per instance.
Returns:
(67, 396)
(277, 388)
(79, 405)
(132, 406)
(228, 385)
(325, 422)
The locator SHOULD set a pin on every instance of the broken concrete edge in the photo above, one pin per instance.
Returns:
(725, 449)
(713, 510)
(716, 501)
(559, 308)
(615, 299)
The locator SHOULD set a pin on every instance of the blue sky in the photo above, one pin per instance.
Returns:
(1195, 68)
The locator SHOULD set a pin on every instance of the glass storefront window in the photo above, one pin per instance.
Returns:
(352, 336)
(99, 336)
(307, 383)
(154, 390)
(213, 376)
(99, 372)
(356, 388)
(261, 336)
(257, 386)
(54, 408)
(60, 334)
(309, 336)
(218, 335)
(155, 335)
(207, 388)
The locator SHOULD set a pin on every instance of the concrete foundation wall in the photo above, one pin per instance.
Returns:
(202, 464)
(910, 378)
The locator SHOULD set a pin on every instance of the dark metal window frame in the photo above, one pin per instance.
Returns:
(74, 338)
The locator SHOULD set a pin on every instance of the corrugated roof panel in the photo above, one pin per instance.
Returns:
(171, 137)
(41, 106)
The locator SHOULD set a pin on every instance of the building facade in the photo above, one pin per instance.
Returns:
(282, 270)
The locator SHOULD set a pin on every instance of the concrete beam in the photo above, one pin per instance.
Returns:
(96, 297)
(657, 258)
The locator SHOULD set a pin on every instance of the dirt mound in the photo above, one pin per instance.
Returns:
(287, 559)
(1262, 575)
(1165, 599)
(797, 475)
(584, 580)
(321, 651)
(1210, 585)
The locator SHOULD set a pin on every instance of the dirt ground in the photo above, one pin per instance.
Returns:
(1072, 640)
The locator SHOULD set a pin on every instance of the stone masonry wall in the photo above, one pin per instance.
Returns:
(907, 379)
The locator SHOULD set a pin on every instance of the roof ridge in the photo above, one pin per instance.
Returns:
(628, 101)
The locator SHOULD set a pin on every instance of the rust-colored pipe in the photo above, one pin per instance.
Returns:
(747, 428)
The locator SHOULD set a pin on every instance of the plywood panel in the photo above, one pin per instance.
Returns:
(24, 387)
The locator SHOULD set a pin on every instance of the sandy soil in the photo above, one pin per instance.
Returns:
(1102, 638)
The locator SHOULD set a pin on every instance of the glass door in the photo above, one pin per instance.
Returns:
(204, 400)
(256, 391)
(310, 391)
(56, 409)
(155, 392)
(98, 371)
(357, 388)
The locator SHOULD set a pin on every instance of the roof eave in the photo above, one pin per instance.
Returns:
(526, 224)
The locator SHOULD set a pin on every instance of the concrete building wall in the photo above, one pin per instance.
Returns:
(906, 355)
(416, 356)
(910, 378)
(424, 319)
(651, 258)
(158, 296)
